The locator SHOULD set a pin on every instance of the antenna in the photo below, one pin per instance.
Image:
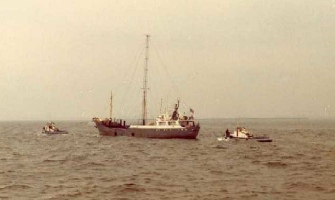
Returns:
(144, 105)
(111, 106)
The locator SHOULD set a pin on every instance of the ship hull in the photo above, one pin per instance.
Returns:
(54, 132)
(150, 131)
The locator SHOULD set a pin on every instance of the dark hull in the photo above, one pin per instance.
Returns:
(257, 138)
(54, 132)
(264, 140)
(149, 131)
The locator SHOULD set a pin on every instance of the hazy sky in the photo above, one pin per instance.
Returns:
(223, 58)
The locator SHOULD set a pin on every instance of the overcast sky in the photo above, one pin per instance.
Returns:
(223, 58)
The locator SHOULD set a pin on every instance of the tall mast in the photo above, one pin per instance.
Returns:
(144, 106)
(111, 106)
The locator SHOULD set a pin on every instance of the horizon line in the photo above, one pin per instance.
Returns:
(206, 118)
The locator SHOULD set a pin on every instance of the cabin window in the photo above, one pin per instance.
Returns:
(132, 134)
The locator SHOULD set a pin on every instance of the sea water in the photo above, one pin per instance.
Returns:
(298, 164)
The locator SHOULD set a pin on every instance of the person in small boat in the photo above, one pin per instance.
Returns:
(237, 130)
(50, 127)
(227, 134)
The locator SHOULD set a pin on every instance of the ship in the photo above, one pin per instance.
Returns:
(165, 126)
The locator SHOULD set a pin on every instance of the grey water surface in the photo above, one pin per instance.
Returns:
(298, 164)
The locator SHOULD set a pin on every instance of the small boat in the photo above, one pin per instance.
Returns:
(51, 129)
(263, 139)
(243, 133)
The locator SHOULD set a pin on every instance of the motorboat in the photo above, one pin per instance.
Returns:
(51, 129)
(243, 133)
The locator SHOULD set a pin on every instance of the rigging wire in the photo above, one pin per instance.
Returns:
(164, 66)
(132, 68)
(132, 77)
(132, 107)
(137, 54)
(175, 87)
